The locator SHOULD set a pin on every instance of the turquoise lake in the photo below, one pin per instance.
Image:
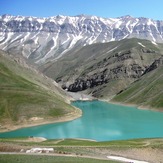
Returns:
(101, 121)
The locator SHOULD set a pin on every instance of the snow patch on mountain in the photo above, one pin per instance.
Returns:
(111, 49)
(154, 43)
(141, 44)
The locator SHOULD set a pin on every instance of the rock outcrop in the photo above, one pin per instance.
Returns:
(110, 66)
(157, 63)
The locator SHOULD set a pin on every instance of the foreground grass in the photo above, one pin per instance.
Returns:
(133, 143)
(47, 159)
(81, 150)
(76, 142)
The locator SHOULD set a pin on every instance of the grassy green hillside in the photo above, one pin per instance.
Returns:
(26, 94)
(146, 92)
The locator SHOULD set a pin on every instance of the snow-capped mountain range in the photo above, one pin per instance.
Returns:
(44, 39)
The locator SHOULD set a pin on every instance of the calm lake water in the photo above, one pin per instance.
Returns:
(101, 121)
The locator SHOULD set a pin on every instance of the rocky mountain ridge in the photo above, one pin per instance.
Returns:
(45, 39)
(133, 72)
(102, 67)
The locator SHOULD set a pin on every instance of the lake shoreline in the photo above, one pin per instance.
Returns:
(83, 97)
(131, 105)
(136, 106)
(68, 117)
(108, 111)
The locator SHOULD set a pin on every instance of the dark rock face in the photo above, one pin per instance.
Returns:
(157, 63)
(108, 71)
(147, 50)
(92, 81)
(133, 71)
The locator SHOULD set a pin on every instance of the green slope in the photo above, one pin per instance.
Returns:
(49, 159)
(146, 92)
(25, 93)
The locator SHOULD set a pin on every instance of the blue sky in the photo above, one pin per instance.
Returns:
(104, 8)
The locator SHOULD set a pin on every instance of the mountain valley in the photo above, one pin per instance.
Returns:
(107, 58)
(106, 69)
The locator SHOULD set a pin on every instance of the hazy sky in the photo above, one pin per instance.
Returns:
(104, 8)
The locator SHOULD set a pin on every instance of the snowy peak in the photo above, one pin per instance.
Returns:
(44, 39)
